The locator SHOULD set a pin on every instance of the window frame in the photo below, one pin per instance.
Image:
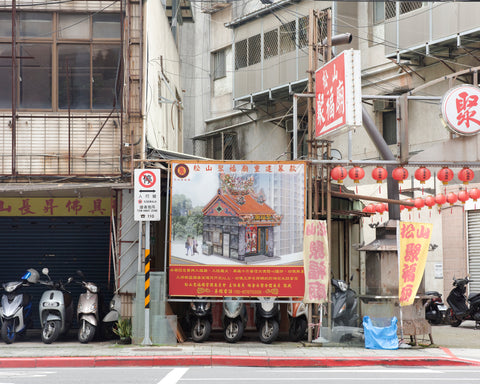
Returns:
(219, 64)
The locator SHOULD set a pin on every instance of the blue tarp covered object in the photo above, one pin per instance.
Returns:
(380, 337)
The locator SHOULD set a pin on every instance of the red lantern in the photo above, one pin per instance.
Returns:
(440, 199)
(379, 174)
(419, 203)
(400, 174)
(370, 208)
(474, 193)
(380, 208)
(422, 174)
(430, 201)
(409, 207)
(356, 174)
(445, 175)
(402, 207)
(338, 173)
(452, 198)
(386, 207)
(463, 196)
(466, 175)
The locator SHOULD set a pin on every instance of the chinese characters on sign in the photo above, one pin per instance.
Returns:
(414, 242)
(338, 94)
(59, 206)
(461, 109)
(316, 261)
(236, 228)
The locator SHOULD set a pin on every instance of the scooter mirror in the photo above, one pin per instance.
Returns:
(70, 279)
(45, 271)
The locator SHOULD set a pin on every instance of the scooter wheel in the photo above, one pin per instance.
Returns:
(269, 331)
(8, 331)
(201, 330)
(86, 332)
(233, 331)
(51, 331)
(298, 327)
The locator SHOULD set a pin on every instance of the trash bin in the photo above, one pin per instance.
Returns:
(380, 333)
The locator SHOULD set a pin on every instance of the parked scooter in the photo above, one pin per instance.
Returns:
(234, 318)
(200, 320)
(435, 310)
(88, 311)
(111, 318)
(344, 313)
(16, 311)
(267, 319)
(297, 314)
(459, 309)
(55, 309)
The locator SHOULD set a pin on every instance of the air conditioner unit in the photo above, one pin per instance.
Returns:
(383, 105)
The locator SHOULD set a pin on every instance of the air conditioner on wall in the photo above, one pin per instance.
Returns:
(383, 105)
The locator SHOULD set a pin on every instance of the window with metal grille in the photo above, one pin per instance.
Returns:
(222, 147)
(254, 49)
(219, 65)
(241, 58)
(287, 37)
(270, 44)
(303, 32)
(405, 7)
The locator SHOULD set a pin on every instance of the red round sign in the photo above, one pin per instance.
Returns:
(147, 179)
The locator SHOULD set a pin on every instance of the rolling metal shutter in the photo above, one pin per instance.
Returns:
(62, 244)
(473, 243)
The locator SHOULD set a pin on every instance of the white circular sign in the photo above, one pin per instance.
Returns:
(461, 109)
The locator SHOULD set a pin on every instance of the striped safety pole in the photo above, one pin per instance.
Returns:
(146, 340)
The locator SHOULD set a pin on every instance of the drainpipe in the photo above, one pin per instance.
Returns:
(386, 153)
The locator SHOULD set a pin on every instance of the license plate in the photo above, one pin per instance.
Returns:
(442, 307)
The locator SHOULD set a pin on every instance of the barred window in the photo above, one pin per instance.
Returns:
(219, 65)
(303, 32)
(254, 50)
(405, 7)
(241, 58)
(287, 37)
(270, 42)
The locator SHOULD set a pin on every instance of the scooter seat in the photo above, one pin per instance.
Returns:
(433, 293)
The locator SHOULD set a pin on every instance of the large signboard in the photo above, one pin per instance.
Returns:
(55, 206)
(461, 109)
(338, 94)
(237, 229)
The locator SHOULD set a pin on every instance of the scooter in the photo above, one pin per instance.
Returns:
(110, 320)
(16, 311)
(344, 313)
(88, 311)
(200, 320)
(435, 310)
(297, 314)
(459, 309)
(267, 319)
(234, 318)
(55, 309)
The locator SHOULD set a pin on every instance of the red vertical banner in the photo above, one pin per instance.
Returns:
(414, 240)
(316, 260)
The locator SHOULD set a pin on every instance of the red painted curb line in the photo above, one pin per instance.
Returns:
(246, 361)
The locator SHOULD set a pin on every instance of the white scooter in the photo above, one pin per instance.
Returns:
(56, 309)
(297, 314)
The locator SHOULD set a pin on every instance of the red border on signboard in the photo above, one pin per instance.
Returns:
(140, 179)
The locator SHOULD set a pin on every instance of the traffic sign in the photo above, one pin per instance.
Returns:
(147, 195)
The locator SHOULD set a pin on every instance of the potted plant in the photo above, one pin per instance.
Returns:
(123, 329)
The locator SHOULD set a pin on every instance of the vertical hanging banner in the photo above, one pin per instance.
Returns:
(316, 261)
(414, 240)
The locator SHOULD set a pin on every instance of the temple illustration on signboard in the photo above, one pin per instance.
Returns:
(237, 223)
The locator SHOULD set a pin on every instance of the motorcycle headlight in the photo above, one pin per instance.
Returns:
(51, 304)
(91, 287)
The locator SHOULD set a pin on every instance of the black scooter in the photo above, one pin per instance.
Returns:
(459, 309)
(435, 309)
(267, 319)
(200, 320)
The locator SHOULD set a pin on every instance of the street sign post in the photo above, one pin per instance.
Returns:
(147, 208)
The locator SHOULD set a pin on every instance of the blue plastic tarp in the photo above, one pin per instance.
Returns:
(380, 337)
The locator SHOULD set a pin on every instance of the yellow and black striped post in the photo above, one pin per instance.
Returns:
(146, 340)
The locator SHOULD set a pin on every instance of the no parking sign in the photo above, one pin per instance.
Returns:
(147, 195)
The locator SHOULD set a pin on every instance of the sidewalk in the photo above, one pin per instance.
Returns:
(32, 353)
